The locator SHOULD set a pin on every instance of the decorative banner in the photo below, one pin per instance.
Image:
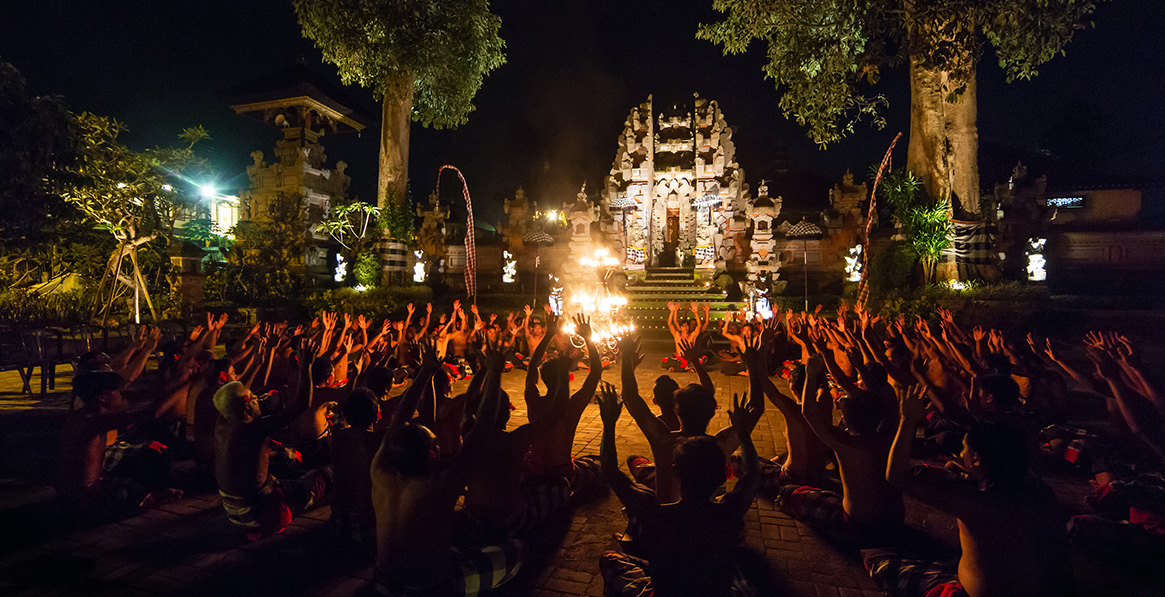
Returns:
(864, 284)
(470, 247)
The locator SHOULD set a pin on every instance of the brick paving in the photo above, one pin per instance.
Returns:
(188, 547)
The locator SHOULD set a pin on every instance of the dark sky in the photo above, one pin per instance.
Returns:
(548, 119)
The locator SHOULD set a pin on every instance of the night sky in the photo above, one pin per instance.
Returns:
(548, 119)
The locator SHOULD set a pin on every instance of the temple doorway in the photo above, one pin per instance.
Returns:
(671, 240)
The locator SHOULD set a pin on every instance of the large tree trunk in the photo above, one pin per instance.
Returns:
(944, 140)
(395, 120)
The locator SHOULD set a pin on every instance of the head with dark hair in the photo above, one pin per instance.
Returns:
(876, 376)
(93, 361)
(996, 455)
(221, 371)
(536, 327)
(698, 462)
(411, 449)
(897, 352)
(362, 409)
(171, 353)
(321, 370)
(997, 363)
(664, 392)
(861, 411)
(233, 346)
(695, 407)
(98, 388)
(553, 372)
(379, 380)
(997, 392)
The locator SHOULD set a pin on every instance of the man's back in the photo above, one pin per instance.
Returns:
(1014, 544)
(690, 547)
(352, 451)
(413, 524)
(241, 457)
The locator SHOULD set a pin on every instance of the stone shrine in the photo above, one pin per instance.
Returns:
(679, 168)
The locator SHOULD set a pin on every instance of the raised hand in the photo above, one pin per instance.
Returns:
(410, 308)
(707, 308)
(977, 334)
(428, 308)
(222, 321)
(456, 305)
(688, 351)
(695, 308)
(528, 311)
(911, 404)
(195, 332)
(1096, 340)
(946, 315)
(609, 406)
(495, 361)
(744, 415)
(671, 306)
(582, 326)
(429, 360)
(629, 349)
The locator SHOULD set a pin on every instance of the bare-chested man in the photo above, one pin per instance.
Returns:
(252, 498)
(687, 331)
(414, 493)
(1012, 535)
(87, 480)
(554, 473)
(494, 502)
(695, 406)
(868, 504)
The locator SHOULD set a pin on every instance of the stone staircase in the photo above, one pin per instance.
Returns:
(647, 302)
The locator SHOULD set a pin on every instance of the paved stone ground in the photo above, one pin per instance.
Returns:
(189, 548)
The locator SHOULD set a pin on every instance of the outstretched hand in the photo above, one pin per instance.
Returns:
(582, 326)
(609, 405)
(744, 415)
(911, 403)
(630, 351)
(429, 355)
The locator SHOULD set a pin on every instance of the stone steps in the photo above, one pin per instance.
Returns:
(647, 302)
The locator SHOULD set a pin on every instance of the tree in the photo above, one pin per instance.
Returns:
(922, 220)
(258, 263)
(425, 59)
(355, 226)
(134, 196)
(36, 132)
(828, 54)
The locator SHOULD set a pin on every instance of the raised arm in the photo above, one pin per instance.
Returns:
(580, 399)
(416, 390)
(630, 357)
(692, 355)
(536, 358)
(629, 493)
(744, 416)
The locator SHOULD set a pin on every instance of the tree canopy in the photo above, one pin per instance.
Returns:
(446, 47)
(826, 55)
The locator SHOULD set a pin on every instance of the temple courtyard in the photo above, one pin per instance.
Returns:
(189, 548)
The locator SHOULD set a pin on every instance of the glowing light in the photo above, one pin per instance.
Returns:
(360, 288)
(600, 258)
(957, 285)
(419, 267)
(121, 185)
(207, 190)
(1036, 264)
(341, 269)
(167, 188)
(510, 269)
(853, 264)
(552, 216)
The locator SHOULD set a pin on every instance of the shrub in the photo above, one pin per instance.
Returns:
(367, 269)
(379, 303)
(21, 307)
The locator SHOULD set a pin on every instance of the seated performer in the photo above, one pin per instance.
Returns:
(414, 493)
(690, 544)
(1013, 538)
(252, 498)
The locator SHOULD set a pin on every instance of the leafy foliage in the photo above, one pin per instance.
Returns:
(398, 218)
(378, 304)
(25, 308)
(367, 269)
(826, 55)
(442, 48)
(257, 263)
(925, 222)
